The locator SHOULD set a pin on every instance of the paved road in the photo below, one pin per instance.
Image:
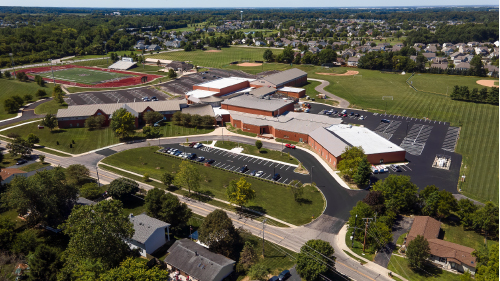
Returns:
(340, 201)
(400, 227)
(321, 89)
(27, 113)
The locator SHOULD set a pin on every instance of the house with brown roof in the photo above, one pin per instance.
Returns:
(8, 174)
(444, 254)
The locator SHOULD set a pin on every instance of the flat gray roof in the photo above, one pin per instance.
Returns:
(248, 101)
(285, 76)
(200, 109)
(262, 91)
(328, 141)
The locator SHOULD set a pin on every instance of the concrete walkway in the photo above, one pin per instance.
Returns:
(321, 89)
(369, 264)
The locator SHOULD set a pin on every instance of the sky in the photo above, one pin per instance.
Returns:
(234, 4)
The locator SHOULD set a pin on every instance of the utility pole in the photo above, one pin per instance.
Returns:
(354, 231)
(97, 172)
(263, 225)
(366, 229)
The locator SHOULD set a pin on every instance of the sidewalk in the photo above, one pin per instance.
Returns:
(369, 264)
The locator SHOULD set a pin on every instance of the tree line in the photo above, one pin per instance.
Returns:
(460, 33)
(483, 96)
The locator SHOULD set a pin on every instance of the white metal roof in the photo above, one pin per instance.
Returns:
(291, 89)
(224, 82)
(371, 142)
(200, 93)
(220, 111)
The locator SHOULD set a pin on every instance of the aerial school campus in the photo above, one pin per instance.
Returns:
(320, 154)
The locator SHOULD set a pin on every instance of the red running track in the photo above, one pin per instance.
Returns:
(129, 81)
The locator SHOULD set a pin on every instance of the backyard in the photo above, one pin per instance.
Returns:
(272, 199)
(427, 273)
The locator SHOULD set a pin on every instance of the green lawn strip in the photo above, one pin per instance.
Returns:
(273, 199)
(54, 152)
(264, 152)
(50, 107)
(358, 247)
(17, 123)
(33, 166)
(469, 238)
(401, 238)
(12, 87)
(354, 257)
(204, 199)
(431, 273)
(286, 141)
(239, 131)
(311, 92)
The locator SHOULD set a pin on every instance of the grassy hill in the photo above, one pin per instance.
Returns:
(11, 87)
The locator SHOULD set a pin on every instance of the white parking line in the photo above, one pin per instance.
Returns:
(268, 177)
(285, 180)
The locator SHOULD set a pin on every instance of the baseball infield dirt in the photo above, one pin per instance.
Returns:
(213, 51)
(487, 83)
(249, 64)
(348, 73)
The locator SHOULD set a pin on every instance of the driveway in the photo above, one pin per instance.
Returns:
(27, 112)
(401, 226)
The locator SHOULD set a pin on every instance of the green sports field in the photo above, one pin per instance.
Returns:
(217, 59)
(478, 142)
(83, 75)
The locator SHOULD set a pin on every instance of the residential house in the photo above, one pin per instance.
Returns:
(430, 49)
(173, 43)
(8, 174)
(462, 66)
(413, 58)
(442, 66)
(491, 70)
(445, 254)
(352, 61)
(193, 261)
(418, 46)
(429, 56)
(140, 47)
(355, 43)
(473, 44)
(483, 51)
(314, 50)
(259, 43)
(440, 60)
(153, 47)
(348, 53)
(448, 45)
(149, 234)
(447, 51)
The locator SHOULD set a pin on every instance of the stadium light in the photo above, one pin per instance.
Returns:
(53, 78)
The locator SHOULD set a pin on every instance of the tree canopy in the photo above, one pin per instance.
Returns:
(122, 123)
(399, 192)
(315, 258)
(218, 233)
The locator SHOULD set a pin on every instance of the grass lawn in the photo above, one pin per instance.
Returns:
(264, 152)
(12, 216)
(133, 205)
(100, 138)
(469, 238)
(33, 166)
(239, 131)
(216, 59)
(12, 87)
(50, 107)
(274, 200)
(84, 75)
(311, 92)
(51, 151)
(8, 160)
(82, 89)
(258, 69)
(358, 247)
(431, 273)
(478, 141)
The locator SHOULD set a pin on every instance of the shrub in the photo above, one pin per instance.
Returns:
(32, 138)
(70, 145)
(90, 191)
(73, 141)
(41, 93)
(57, 142)
(13, 135)
(42, 158)
(145, 177)
(28, 97)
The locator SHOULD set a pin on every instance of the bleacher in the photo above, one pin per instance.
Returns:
(122, 65)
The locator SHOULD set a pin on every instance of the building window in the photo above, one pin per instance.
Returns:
(71, 125)
(78, 124)
(98, 113)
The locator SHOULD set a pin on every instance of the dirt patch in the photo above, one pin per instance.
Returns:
(487, 83)
(249, 64)
(348, 73)
(213, 51)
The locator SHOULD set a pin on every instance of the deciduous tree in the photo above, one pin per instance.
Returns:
(152, 117)
(135, 270)
(351, 157)
(122, 123)
(187, 177)
(399, 192)
(77, 174)
(20, 147)
(50, 121)
(418, 251)
(218, 233)
(240, 192)
(315, 259)
(122, 187)
(44, 264)
(258, 144)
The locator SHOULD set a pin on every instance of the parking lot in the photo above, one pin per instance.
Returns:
(114, 96)
(232, 161)
(422, 139)
(185, 83)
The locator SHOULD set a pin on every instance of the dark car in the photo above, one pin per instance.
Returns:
(274, 278)
(21, 161)
(335, 112)
(385, 121)
(396, 168)
(284, 275)
(276, 177)
(351, 114)
(191, 156)
(200, 159)
(154, 98)
(252, 173)
(357, 114)
(210, 161)
(244, 169)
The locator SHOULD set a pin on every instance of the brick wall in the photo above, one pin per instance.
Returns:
(323, 153)
(288, 107)
(388, 157)
(298, 95)
(223, 91)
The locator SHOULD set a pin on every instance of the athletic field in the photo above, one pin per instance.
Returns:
(83, 75)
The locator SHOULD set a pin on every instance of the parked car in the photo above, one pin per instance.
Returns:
(200, 159)
(145, 99)
(184, 155)
(356, 115)
(154, 98)
(177, 153)
(288, 145)
(344, 111)
(192, 144)
(274, 278)
(351, 114)
(198, 145)
(396, 168)
(191, 156)
(252, 173)
(385, 121)
(284, 275)
(335, 112)
(21, 161)
(243, 169)
(210, 161)
(276, 177)
(362, 117)
(259, 174)
(307, 110)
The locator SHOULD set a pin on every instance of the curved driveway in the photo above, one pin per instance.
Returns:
(321, 89)
(27, 113)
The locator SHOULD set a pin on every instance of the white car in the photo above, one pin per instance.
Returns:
(362, 117)
(259, 174)
(198, 145)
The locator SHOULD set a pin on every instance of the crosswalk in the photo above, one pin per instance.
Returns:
(386, 130)
(414, 142)
(451, 138)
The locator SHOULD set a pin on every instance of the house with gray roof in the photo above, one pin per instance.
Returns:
(149, 234)
(192, 260)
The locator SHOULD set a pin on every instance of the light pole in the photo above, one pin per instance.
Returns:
(12, 63)
(97, 172)
(312, 174)
(105, 51)
(53, 78)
